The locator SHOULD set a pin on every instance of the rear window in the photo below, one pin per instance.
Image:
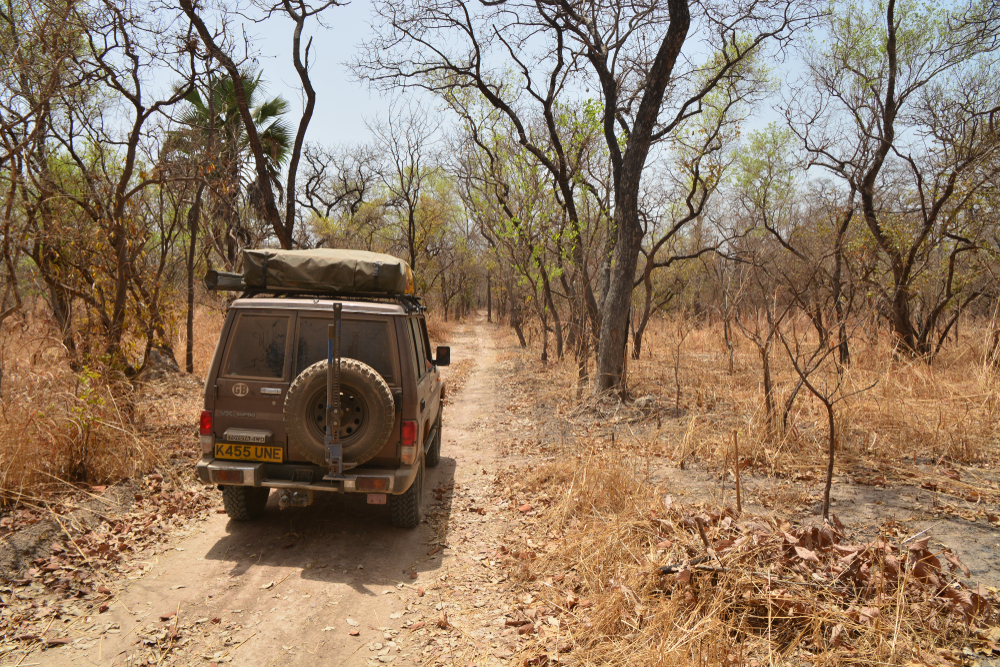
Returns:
(257, 347)
(365, 340)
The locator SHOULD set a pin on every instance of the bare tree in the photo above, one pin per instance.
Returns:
(405, 169)
(37, 40)
(338, 181)
(815, 363)
(628, 52)
(84, 181)
(906, 125)
(299, 11)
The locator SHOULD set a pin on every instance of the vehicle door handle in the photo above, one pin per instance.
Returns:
(423, 404)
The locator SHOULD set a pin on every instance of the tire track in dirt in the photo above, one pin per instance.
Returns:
(333, 583)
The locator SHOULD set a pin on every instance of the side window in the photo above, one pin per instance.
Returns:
(364, 340)
(427, 342)
(418, 345)
(411, 346)
(257, 347)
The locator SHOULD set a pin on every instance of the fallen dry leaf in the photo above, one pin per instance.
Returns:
(807, 554)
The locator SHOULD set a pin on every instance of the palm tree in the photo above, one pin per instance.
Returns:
(217, 133)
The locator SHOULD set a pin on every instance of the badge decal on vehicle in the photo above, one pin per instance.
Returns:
(241, 389)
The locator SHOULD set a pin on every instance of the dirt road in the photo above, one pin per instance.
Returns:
(331, 584)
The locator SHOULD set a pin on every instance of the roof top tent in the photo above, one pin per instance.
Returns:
(320, 271)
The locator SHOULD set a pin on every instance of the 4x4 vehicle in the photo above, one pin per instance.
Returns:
(274, 379)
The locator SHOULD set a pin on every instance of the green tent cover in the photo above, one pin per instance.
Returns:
(326, 270)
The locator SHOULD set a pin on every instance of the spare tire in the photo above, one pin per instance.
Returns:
(366, 401)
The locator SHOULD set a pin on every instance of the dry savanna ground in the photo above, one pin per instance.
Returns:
(614, 534)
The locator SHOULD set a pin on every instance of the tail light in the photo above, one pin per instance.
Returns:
(205, 427)
(408, 437)
(372, 484)
(231, 476)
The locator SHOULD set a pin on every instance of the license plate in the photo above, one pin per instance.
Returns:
(238, 452)
(376, 499)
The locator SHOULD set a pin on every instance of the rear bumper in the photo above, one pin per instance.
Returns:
(214, 471)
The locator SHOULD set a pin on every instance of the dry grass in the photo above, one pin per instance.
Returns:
(439, 330)
(57, 425)
(771, 594)
(913, 413)
(591, 558)
(208, 320)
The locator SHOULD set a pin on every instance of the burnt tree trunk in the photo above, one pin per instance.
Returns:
(769, 405)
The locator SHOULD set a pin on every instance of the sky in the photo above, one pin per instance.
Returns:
(342, 103)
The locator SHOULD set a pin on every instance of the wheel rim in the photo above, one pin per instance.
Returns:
(355, 410)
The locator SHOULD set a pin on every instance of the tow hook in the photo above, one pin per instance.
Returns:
(295, 498)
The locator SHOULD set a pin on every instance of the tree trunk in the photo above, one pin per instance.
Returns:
(193, 214)
(411, 238)
(790, 403)
(901, 325)
(582, 347)
(627, 176)
(727, 335)
(504, 297)
(489, 299)
(830, 454)
(769, 407)
(515, 322)
(61, 304)
(843, 349)
(545, 334)
(647, 309)
(551, 306)
(617, 304)
(444, 295)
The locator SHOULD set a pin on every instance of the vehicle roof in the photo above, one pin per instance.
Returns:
(322, 305)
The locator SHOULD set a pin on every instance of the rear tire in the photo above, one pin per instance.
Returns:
(369, 411)
(404, 509)
(244, 503)
(433, 455)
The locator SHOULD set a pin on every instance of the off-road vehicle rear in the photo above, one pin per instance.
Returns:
(322, 380)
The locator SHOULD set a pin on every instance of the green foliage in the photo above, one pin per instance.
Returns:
(213, 114)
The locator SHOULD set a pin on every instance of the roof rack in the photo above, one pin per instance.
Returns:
(222, 281)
